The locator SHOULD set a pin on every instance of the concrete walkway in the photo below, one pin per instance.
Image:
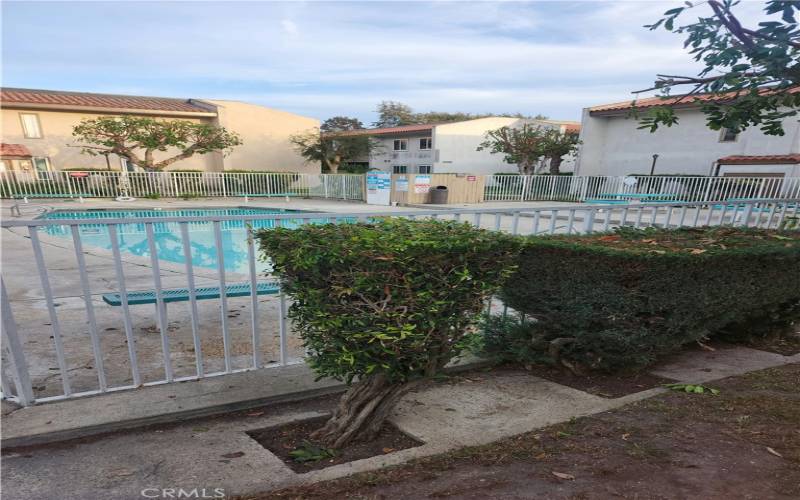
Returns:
(217, 452)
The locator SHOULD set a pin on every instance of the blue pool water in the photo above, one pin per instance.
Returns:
(133, 239)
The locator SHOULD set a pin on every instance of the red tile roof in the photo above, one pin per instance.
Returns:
(57, 98)
(17, 150)
(427, 127)
(650, 102)
(760, 160)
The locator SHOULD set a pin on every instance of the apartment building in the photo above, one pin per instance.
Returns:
(37, 130)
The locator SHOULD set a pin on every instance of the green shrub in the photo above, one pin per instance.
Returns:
(388, 303)
(614, 301)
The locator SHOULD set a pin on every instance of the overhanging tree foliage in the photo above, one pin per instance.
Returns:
(384, 306)
(752, 74)
(527, 145)
(139, 139)
(555, 145)
(331, 145)
(396, 114)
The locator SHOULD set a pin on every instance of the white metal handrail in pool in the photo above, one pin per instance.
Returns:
(18, 383)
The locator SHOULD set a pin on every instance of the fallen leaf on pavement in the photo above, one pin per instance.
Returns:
(388, 450)
(561, 475)
(774, 452)
(120, 472)
(235, 454)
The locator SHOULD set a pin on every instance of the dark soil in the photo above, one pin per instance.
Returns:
(788, 344)
(742, 444)
(607, 386)
(281, 440)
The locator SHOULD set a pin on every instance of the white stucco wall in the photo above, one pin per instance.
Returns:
(612, 145)
(457, 143)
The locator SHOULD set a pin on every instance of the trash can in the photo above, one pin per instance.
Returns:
(439, 195)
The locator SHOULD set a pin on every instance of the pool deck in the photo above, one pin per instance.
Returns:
(34, 207)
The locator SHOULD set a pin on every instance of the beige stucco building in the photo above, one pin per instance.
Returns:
(37, 129)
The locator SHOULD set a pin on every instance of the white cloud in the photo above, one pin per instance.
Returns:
(342, 58)
(289, 27)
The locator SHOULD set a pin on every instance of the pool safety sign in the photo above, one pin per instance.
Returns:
(379, 188)
(401, 184)
(422, 184)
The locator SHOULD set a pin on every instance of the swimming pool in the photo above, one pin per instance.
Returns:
(169, 246)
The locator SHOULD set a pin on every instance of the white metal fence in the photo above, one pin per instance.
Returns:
(112, 184)
(30, 302)
(662, 188)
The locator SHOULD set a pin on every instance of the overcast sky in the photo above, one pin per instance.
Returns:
(341, 58)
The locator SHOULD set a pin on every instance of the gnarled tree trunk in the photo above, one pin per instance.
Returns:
(526, 167)
(333, 163)
(362, 411)
(555, 163)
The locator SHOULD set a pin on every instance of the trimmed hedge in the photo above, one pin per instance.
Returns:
(394, 297)
(620, 300)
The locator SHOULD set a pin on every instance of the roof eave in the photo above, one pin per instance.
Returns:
(628, 110)
(106, 110)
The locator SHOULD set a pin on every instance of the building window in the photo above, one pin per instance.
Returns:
(30, 125)
(424, 169)
(425, 143)
(728, 136)
(41, 166)
(401, 144)
(399, 169)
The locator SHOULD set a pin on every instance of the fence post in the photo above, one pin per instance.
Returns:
(19, 367)
(525, 181)
(174, 182)
(585, 188)
(344, 194)
(67, 176)
(707, 191)
(748, 211)
(588, 221)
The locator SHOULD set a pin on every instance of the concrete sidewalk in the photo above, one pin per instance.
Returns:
(477, 409)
